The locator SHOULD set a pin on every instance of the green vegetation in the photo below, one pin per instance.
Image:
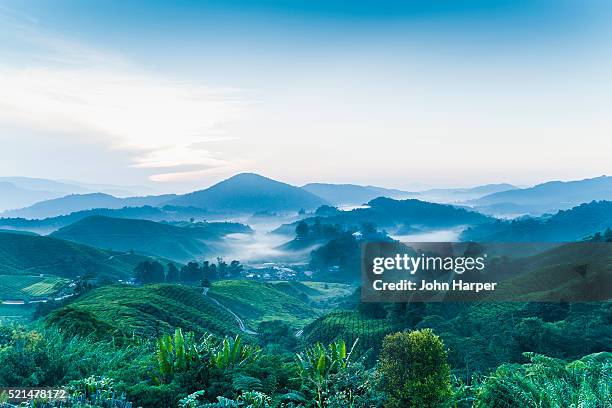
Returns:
(479, 336)
(218, 342)
(31, 255)
(415, 370)
(124, 311)
(182, 369)
(348, 325)
(325, 295)
(48, 225)
(16, 313)
(122, 234)
(550, 382)
(257, 302)
(323, 372)
(26, 287)
(570, 272)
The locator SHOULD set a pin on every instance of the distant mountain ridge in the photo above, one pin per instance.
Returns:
(566, 225)
(352, 194)
(550, 196)
(243, 193)
(13, 196)
(20, 192)
(249, 193)
(79, 202)
(457, 195)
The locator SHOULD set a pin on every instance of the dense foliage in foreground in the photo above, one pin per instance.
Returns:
(185, 370)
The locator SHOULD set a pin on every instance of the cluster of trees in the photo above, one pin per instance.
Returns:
(316, 231)
(154, 271)
(605, 236)
(341, 252)
(338, 260)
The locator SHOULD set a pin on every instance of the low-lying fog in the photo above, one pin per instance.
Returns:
(445, 235)
(262, 246)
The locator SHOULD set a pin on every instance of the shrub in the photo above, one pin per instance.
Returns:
(550, 382)
(414, 369)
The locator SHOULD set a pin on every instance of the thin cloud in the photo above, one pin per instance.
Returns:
(77, 90)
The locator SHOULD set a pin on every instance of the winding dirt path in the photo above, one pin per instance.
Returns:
(241, 324)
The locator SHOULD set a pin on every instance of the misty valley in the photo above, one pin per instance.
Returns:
(248, 294)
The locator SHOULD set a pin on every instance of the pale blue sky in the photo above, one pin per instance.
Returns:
(180, 94)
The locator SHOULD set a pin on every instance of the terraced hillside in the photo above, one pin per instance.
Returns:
(28, 255)
(349, 326)
(571, 272)
(256, 302)
(18, 287)
(121, 310)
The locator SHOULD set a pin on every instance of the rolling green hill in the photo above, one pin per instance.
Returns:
(256, 302)
(121, 310)
(31, 255)
(122, 234)
(570, 272)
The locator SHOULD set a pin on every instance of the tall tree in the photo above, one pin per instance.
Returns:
(172, 273)
(191, 272)
(301, 231)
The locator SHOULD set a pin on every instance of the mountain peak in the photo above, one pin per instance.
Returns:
(250, 192)
(248, 178)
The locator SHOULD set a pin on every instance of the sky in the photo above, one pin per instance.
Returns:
(413, 94)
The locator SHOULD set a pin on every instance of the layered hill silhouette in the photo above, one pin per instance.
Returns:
(48, 225)
(20, 192)
(80, 202)
(547, 197)
(352, 194)
(148, 237)
(568, 225)
(15, 197)
(399, 214)
(249, 193)
(22, 254)
(456, 195)
(245, 193)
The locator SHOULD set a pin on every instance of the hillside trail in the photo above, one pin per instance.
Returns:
(241, 324)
